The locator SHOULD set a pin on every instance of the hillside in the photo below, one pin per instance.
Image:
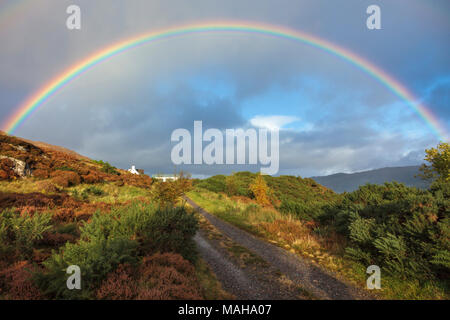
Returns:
(403, 230)
(21, 158)
(58, 208)
(134, 239)
(47, 146)
(347, 182)
(303, 197)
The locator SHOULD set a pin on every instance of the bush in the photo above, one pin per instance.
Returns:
(214, 184)
(92, 177)
(41, 173)
(260, 190)
(172, 230)
(130, 222)
(86, 192)
(404, 230)
(16, 282)
(168, 276)
(159, 277)
(19, 232)
(66, 178)
(119, 285)
(95, 259)
(106, 167)
(296, 208)
(115, 238)
(168, 193)
(96, 191)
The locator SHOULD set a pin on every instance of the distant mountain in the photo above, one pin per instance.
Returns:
(341, 182)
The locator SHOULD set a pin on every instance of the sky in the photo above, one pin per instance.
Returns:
(332, 117)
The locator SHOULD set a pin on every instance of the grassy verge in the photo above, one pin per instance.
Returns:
(246, 259)
(211, 287)
(238, 253)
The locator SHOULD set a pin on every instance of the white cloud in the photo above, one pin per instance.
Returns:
(272, 122)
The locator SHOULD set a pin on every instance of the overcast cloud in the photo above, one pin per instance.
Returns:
(332, 116)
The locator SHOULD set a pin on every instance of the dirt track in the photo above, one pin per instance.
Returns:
(299, 276)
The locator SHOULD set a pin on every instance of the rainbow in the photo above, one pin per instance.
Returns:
(47, 91)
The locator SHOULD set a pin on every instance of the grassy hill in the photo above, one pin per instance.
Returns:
(347, 182)
(58, 208)
(302, 197)
(402, 229)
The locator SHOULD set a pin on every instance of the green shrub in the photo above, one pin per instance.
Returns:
(214, 184)
(18, 233)
(100, 162)
(106, 167)
(105, 242)
(172, 230)
(95, 259)
(68, 228)
(130, 222)
(89, 191)
(115, 238)
(93, 190)
(404, 230)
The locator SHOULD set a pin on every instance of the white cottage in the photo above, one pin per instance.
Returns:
(133, 170)
(165, 177)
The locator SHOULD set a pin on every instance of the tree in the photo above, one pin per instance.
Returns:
(231, 185)
(168, 193)
(439, 167)
(260, 189)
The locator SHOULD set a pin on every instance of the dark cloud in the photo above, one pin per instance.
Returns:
(125, 109)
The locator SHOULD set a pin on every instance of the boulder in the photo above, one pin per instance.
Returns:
(20, 168)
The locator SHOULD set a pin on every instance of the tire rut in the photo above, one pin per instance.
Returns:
(233, 279)
(319, 282)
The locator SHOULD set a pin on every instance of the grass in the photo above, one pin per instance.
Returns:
(246, 258)
(239, 214)
(306, 294)
(241, 254)
(316, 243)
(211, 287)
(70, 228)
(107, 192)
(280, 229)
(25, 185)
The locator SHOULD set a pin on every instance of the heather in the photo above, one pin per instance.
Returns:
(58, 209)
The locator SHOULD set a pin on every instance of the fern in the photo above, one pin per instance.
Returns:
(18, 233)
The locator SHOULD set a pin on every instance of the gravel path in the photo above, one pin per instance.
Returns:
(242, 273)
(317, 281)
(234, 280)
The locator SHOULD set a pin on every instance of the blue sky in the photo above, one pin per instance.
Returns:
(333, 117)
